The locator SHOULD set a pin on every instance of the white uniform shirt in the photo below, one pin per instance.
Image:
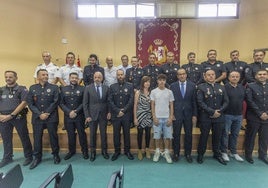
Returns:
(124, 68)
(65, 70)
(110, 76)
(51, 68)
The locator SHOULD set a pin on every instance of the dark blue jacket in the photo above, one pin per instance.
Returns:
(209, 99)
(71, 98)
(184, 108)
(44, 99)
(257, 101)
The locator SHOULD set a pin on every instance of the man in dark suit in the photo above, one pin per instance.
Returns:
(43, 102)
(71, 105)
(95, 105)
(185, 112)
(121, 103)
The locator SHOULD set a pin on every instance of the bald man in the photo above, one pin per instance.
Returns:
(110, 72)
(95, 105)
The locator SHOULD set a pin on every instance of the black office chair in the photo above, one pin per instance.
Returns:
(50, 179)
(12, 179)
(117, 175)
(66, 178)
(62, 179)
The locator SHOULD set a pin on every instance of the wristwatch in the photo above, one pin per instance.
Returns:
(12, 115)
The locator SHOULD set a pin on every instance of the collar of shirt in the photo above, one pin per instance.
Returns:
(73, 66)
(49, 65)
(96, 85)
(183, 82)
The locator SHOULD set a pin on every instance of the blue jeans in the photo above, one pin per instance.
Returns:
(162, 129)
(230, 133)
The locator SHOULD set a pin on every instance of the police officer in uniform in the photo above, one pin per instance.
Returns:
(43, 102)
(121, 103)
(65, 70)
(170, 69)
(194, 71)
(257, 116)
(134, 74)
(13, 114)
(236, 65)
(152, 70)
(212, 100)
(253, 68)
(216, 65)
(89, 70)
(71, 102)
(51, 68)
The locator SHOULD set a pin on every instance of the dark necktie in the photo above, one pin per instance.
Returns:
(98, 91)
(182, 90)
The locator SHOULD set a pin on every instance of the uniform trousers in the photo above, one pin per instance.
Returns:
(123, 122)
(71, 127)
(252, 129)
(52, 128)
(6, 130)
(216, 128)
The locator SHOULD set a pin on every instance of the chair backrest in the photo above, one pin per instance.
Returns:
(66, 178)
(52, 178)
(121, 177)
(117, 175)
(113, 178)
(13, 178)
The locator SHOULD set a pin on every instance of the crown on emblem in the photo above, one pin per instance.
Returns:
(158, 42)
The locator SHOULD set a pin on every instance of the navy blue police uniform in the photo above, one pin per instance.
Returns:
(10, 99)
(44, 99)
(71, 99)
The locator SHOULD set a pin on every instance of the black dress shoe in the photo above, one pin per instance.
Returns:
(129, 155)
(189, 158)
(56, 159)
(85, 155)
(27, 161)
(5, 162)
(220, 159)
(264, 159)
(68, 155)
(249, 159)
(35, 163)
(200, 159)
(115, 156)
(92, 156)
(105, 155)
(175, 158)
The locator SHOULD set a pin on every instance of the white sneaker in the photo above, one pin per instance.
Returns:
(167, 157)
(225, 157)
(237, 157)
(156, 156)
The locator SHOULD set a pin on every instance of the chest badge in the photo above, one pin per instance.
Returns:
(208, 91)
